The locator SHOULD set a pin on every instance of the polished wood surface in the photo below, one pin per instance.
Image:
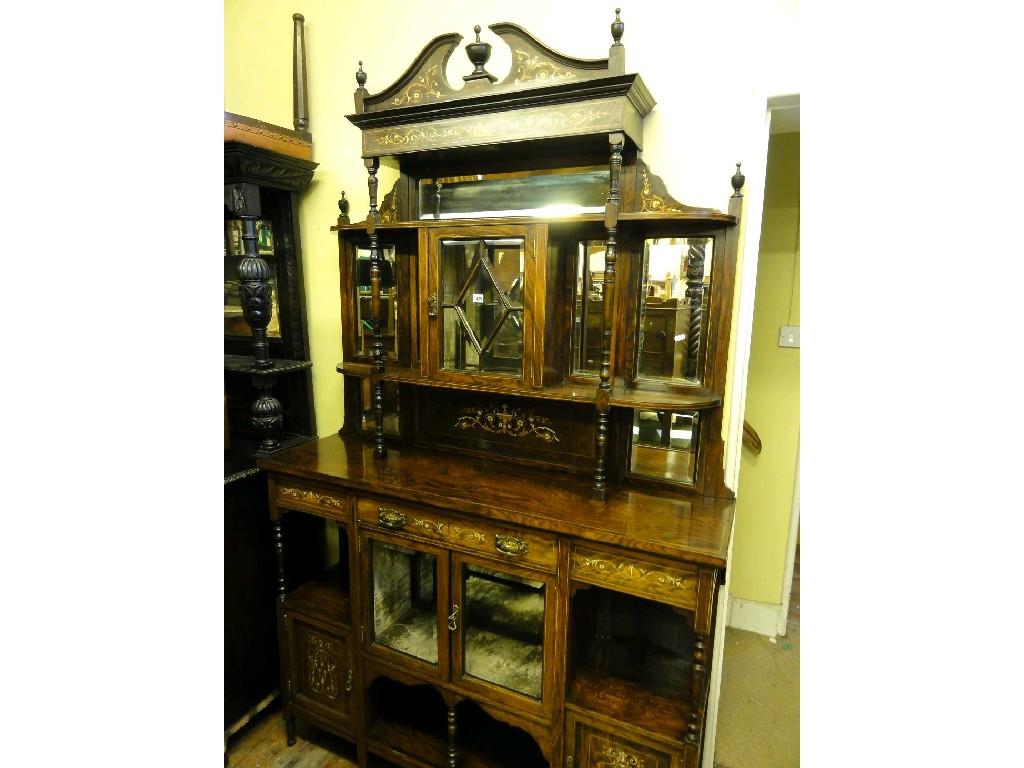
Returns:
(696, 529)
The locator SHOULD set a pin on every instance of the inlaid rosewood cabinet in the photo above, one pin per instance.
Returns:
(511, 552)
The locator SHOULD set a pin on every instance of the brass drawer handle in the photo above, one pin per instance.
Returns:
(390, 518)
(510, 545)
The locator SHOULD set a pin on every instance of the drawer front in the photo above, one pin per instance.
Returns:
(321, 674)
(675, 584)
(598, 748)
(484, 538)
(319, 501)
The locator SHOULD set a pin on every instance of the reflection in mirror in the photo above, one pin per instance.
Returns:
(675, 291)
(482, 284)
(388, 303)
(405, 600)
(588, 307)
(504, 629)
(665, 445)
(552, 193)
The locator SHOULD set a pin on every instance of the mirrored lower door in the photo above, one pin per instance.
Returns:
(502, 628)
(404, 595)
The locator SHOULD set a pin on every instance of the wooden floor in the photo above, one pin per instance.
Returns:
(262, 744)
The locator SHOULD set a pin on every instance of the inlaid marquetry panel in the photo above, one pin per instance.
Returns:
(320, 673)
(675, 584)
(597, 748)
(589, 117)
(508, 544)
(318, 501)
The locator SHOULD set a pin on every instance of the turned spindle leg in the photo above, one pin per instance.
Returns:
(452, 751)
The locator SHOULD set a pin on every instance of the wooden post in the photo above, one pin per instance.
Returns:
(300, 93)
(611, 222)
(372, 219)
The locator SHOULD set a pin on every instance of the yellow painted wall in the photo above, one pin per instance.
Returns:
(766, 487)
(709, 65)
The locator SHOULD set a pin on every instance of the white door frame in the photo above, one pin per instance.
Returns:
(753, 209)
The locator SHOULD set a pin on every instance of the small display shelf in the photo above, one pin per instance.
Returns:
(325, 597)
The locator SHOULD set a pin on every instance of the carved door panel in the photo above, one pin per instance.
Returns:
(321, 675)
(595, 747)
(502, 629)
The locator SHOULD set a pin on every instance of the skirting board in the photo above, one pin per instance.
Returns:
(754, 616)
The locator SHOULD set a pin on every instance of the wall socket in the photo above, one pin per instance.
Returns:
(789, 336)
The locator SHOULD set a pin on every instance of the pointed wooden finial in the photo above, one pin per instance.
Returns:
(617, 28)
(737, 181)
(361, 76)
(479, 52)
(343, 207)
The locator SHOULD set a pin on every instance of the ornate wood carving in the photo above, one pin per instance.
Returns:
(424, 81)
(694, 297)
(376, 307)
(514, 422)
(311, 497)
(426, 86)
(321, 668)
(535, 63)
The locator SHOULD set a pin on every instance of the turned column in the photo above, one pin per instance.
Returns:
(695, 297)
(611, 221)
(377, 384)
(698, 680)
(453, 755)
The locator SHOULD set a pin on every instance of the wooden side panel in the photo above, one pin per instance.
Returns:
(322, 672)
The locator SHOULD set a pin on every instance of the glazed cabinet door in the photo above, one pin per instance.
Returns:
(406, 601)
(320, 677)
(480, 305)
(503, 631)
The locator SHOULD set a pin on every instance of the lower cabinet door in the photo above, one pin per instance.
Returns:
(593, 746)
(320, 669)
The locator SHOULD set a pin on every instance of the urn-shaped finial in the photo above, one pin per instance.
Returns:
(617, 28)
(361, 76)
(737, 181)
(479, 52)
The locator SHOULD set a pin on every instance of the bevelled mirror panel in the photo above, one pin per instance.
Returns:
(675, 290)
(388, 301)
(482, 308)
(588, 307)
(564, 192)
(664, 445)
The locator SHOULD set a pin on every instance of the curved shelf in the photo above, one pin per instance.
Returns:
(712, 218)
(621, 396)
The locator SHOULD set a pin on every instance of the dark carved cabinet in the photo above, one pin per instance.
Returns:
(524, 514)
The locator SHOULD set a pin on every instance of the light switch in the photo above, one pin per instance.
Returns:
(789, 336)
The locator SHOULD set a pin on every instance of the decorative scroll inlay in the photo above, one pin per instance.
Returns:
(629, 569)
(488, 127)
(432, 527)
(389, 207)
(535, 67)
(652, 203)
(514, 422)
(461, 533)
(323, 676)
(617, 758)
(426, 86)
(310, 497)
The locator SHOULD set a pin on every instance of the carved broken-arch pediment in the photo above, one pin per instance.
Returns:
(534, 65)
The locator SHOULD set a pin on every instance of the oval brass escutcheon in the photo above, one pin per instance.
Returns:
(510, 545)
(390, 518)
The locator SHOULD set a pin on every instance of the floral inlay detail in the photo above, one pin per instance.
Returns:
(514, 422)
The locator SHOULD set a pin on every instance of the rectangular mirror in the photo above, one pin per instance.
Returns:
(588, 307)
(388, 301)
(556, 192)
(675, 290)
(664, 445)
